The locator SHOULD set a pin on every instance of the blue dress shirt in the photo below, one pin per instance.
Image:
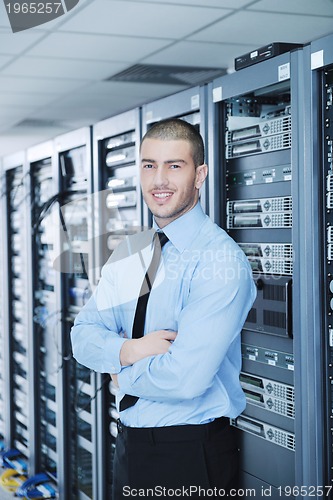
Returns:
(203, 290)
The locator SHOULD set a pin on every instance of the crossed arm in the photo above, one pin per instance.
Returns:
(157, 342)
(154, 367)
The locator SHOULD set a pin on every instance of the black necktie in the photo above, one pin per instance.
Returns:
(160, 240)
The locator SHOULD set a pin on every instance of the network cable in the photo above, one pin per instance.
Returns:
(13, 459)
(37, 486)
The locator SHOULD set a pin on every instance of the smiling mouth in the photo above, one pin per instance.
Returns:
(162, 196)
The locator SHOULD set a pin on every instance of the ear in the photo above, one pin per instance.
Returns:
(200, 175)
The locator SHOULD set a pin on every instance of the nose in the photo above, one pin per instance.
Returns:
(161, 177)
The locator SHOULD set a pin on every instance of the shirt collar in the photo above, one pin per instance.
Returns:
(181, 231)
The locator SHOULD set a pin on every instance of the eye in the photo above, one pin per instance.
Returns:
(147, 166)
(174, 166)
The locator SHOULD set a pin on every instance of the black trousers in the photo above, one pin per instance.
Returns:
(186, 461)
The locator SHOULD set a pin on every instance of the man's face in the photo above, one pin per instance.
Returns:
(169, 180)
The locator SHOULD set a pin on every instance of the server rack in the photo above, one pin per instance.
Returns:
(189, 105)
(255, 139)
(117, 202)
(319, 149)
(73, 160)
(2, 311)
(45, 316)
(18, 387)
(117, 212)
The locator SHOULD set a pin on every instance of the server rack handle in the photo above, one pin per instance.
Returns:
(289, 305)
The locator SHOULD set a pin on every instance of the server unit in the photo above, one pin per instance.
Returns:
(117, 212)
(251, 134)
(189, 105)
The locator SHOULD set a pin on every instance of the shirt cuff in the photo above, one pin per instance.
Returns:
(111, 361)
(129, 374)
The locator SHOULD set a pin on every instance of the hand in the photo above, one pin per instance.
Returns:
(153, 343)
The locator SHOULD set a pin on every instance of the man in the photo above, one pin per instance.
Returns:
(184, 371)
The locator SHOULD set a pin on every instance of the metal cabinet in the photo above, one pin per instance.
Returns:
(117, 212)
(74, 266)
(318, 150)
(17, 367)
(253, 129)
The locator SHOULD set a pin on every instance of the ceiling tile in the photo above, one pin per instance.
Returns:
(263, 28)
(40, 66)
(38, 85)
(13, 100)
(221, 4)
(317, 7)
(4, 21)
(96, 47)
(15, 43)
(199, 53)
(17, 113)
(5, 125)
(67, 112)
(51, 25)
(17, 139)
(103, 92)
(104, 99)
(141, 19)
(126, 89)
(4, 60)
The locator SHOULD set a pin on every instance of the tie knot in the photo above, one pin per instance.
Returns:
(162, 237)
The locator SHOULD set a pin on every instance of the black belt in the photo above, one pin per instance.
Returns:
(173, 433)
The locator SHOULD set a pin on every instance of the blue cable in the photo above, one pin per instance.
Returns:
(37, 486)
(6, 458)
